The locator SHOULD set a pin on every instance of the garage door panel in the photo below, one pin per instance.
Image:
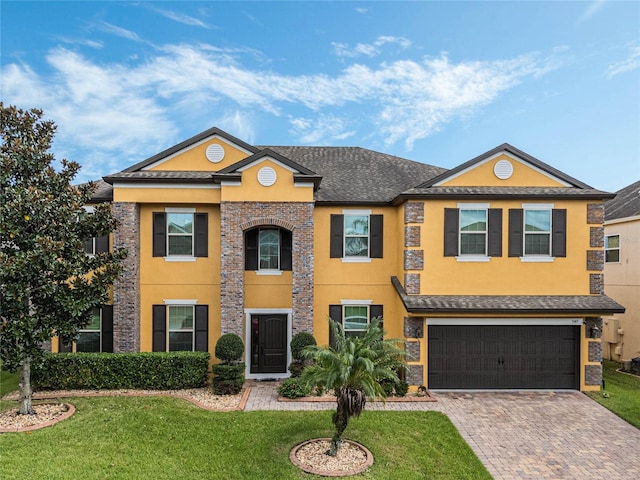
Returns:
(503, 357)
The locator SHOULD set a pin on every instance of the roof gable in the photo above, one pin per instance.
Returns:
(504, 166)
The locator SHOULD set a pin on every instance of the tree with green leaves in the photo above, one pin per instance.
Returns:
(48, 284)
(353, 367)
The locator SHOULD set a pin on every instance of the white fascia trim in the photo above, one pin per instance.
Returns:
(190, 186)
(356, 260)
(473, 206)
(191, 301)
(197, 144)
(264, 159)
(179, 210)
(538, 206)
(552, 321)
(231, 183)
(356, 302)
(179, 259)
(537, 259)
(355, 212)
(622, 220)
(471, 258)
(510, 156)
(304, 184)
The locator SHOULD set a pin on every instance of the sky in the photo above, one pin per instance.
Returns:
(435, 82)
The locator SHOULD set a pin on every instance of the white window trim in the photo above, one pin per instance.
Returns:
(180, 302)
(268, 272)
(361, 213)
(537, 257)
(193, 328)
(355, 303)
(616, 248)
(474, 257)
(74, 345)
(356, 259)
(181, 258)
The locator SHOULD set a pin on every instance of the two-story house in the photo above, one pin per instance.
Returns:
(491, 271)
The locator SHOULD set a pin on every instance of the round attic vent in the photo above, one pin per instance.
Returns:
(503, 169)
(215, 153)
(267, 176)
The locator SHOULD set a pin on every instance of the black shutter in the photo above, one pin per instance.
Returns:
(102, 244)
(335, 312)
(201, 238)
(202, 328)
(64, 346)
(375, 311)
(159, 234)
(286, 261)
(516, 219)
(559, 226)
(337, 228)
(159, 328)
(106, 333)
(495, 232)
(451, 225)
(251, 249)
(375, 231)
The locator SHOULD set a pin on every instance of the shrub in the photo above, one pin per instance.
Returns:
(96, 371)
(229, 348)
(402, 388)
(299, 341)
(228, 377)
(293, 388)
(387, 387)
(296, 367)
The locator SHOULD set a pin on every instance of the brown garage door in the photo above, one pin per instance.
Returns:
(503, 357)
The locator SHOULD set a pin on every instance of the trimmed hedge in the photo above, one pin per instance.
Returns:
(293, 388)
(228, 379)
(97, 371)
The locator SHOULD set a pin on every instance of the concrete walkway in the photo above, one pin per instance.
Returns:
(520, 435)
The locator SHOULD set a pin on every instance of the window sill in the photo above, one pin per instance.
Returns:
(268, 272)
(356, 260)
(178, 258)
(472, 258)
(537, 259)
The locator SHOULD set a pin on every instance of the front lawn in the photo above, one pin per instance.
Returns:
(623, 393)
(161, 437)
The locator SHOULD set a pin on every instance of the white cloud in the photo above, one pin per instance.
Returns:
(361, 10)
(632, 62)
(591, 10)
(128, 111)
(119, 31)
(368, 49)
(180, 17)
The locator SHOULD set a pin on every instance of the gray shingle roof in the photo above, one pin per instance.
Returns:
(161, 176)
(626, 204)
(353, 175)
(507, 192)
(508, 304)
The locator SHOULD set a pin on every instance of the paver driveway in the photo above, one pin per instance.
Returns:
(521, 435)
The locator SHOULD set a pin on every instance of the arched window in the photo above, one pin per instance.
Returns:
(267, 248)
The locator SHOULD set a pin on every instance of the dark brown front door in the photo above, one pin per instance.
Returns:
(268, 344)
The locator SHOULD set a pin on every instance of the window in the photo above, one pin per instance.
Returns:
(356, 235)
(89, 337)
(97, 336)
(473, 232)
(180, 328)
(180, 325)
(268, 249)
(612, 248)
(537, 232)
(354, 316)
(94, 245)
(180, 233)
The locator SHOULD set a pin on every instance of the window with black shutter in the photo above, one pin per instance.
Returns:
(268, 248)
(356, 235)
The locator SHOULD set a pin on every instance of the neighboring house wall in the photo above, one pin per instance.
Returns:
(621, 333)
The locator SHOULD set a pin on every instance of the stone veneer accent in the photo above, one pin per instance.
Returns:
(595, 260)
(593, 374)
(413, 327)
(235, 218)
(126, 289)
(596, 237)
(414, 259)
(412, 236)
(595, 351)
(414, 212)
(412, 283)
(413, 351)
(596, 283)
(416, 375)
(595, 213)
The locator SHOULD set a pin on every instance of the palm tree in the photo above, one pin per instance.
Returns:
(353, 368)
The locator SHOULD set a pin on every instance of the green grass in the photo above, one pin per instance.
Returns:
(623, 391)
(161, 437)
